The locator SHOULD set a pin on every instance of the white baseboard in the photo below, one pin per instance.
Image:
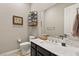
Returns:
(9, 52)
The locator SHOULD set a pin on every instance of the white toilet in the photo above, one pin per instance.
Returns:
(24, 47)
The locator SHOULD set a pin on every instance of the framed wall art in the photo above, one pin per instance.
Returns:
(17, 20)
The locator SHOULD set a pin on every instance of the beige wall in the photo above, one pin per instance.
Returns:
(40, 7)
(50, 18)
(54, 19)
(8, 32)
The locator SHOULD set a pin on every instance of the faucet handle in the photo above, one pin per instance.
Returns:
(62, 36)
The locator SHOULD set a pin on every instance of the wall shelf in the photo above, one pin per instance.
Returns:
(33, 18)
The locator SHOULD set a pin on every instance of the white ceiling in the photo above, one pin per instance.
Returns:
(41, 6)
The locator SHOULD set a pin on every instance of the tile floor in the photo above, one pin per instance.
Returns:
(17, 53)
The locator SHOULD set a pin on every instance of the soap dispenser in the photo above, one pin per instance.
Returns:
(63, 43)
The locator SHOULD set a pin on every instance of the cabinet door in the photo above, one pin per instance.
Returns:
(43, 51)
(33, 49)
(39, 54)
(33, 52)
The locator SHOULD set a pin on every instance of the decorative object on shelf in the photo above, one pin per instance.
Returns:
(17, 20)
(32, 18)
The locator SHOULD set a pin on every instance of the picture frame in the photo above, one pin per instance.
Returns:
(17, 20)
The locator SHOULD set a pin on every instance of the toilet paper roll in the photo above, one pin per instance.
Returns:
(19, 40)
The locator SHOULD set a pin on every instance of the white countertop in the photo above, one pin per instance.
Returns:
(56, 48)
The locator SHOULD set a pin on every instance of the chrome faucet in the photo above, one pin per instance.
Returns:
(63, 36)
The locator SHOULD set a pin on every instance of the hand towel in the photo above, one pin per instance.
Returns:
(76, 26)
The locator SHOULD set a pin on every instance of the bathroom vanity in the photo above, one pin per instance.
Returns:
(37, 50)
(45, 48)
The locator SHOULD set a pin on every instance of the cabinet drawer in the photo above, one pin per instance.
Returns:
(33, 45)
(43, 51)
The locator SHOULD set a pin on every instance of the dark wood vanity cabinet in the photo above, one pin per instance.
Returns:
(36, 50)
(42, 51)
(33, 49)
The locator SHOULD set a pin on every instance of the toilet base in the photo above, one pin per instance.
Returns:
(23, 53)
